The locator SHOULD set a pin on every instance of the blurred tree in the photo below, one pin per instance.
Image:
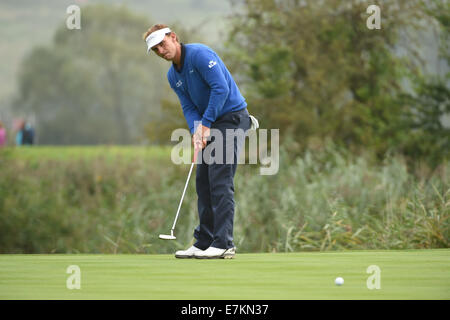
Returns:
(160, 128)
(314, 69)
(94, 85)
(428, 137)
(428, 114)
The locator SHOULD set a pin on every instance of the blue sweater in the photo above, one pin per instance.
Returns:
(204, 86)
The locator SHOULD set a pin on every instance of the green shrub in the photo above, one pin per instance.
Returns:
(107, 201)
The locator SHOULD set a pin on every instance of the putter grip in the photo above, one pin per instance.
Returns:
(195, 155)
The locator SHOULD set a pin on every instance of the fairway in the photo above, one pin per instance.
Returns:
(418, 274)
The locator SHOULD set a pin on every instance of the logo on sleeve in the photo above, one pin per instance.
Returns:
(212, 64)
(179, 83)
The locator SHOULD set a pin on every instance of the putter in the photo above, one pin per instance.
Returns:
(171, 236)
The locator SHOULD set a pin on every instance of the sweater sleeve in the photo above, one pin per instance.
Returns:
(207, 64)
(190, 111)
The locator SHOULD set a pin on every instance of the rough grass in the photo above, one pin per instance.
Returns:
(118, 199)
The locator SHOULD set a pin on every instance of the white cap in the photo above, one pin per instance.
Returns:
(156, 37)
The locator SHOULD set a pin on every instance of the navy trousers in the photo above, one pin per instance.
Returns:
(215, 186)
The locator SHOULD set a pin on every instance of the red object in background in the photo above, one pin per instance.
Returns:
(2, 136)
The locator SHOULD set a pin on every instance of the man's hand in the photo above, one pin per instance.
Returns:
(199, 139)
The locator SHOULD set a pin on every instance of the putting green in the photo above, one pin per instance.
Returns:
(416, 274)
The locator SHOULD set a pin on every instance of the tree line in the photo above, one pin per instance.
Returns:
(311, 68)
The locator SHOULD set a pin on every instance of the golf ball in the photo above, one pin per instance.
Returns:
(339, 281)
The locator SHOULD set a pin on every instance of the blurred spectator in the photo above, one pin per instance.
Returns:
(2, 135)
(25, 134)
(20, 125)
(28, 134)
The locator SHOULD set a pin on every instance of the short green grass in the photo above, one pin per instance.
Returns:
(415, 274)
(39, 153)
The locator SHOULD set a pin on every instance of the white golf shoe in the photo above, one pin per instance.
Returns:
(189, 253)
(216, 253)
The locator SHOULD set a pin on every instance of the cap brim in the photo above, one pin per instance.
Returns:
(154, 41)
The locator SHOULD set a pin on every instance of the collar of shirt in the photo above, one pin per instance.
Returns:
(183, 52)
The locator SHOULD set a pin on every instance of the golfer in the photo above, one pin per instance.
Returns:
(209, 98)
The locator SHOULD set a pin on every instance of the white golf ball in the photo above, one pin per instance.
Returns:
(339, 281)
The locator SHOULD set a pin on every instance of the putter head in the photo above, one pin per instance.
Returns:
(167, 236)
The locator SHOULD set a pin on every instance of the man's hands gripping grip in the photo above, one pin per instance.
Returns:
(199, 139)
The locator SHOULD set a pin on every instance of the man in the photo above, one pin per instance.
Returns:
(210, 99)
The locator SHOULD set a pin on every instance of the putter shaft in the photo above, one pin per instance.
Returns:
(181, 201)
